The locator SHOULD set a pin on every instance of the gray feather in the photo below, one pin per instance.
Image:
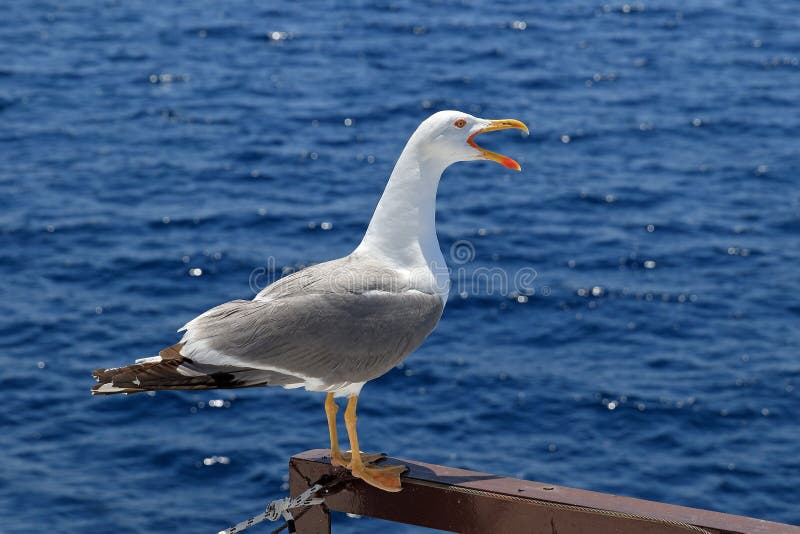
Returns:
(340, 322)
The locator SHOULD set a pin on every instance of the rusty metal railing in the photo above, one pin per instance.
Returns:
(457, 500)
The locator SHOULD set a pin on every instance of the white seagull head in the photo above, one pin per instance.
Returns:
(449, 137)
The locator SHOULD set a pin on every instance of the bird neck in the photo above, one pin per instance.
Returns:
(403, 227)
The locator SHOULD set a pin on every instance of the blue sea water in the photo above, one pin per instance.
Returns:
(158, 159)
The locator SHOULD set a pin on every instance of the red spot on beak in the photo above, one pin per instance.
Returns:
(509, 163)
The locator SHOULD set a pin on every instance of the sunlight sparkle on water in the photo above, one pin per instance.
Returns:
(211, 460)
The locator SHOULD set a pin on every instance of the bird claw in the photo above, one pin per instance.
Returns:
(345, 458)
(383, 478)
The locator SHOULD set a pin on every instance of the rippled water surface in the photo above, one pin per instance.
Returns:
(155, 155)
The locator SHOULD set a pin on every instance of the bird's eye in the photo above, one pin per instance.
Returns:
(460, 123)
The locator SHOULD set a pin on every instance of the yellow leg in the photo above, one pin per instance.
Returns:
(331, 410)
(338, 457)
(385, 478)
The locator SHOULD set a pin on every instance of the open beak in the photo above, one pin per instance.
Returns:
(502, 124)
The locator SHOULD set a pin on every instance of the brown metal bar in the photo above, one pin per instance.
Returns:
(458, 500)
(315, 519)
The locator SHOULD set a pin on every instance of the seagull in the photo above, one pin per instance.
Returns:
(334, 326)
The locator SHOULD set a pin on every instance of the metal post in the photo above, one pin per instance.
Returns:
(312, 520)
(457, 500)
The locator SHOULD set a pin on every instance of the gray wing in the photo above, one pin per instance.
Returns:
(351, 274)
(313, 330)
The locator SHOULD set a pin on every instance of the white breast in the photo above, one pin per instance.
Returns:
(435, 276)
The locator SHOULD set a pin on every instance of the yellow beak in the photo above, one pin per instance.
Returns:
(502, 124)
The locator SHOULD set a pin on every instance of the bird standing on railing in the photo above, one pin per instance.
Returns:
(336, 325)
